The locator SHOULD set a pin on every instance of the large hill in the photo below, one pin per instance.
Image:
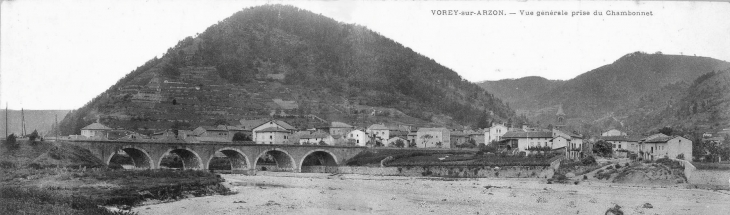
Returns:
(281, 61)
(606, 96)
(514, 90)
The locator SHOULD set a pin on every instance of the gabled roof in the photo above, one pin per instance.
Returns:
(250, 124)
(96, 126)
(618, 138)
(528, 134)
(278, 122)
(273, 129)
(662, 139)
(432, 129)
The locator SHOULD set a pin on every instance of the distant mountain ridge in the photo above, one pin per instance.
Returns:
(604, 97)
(42, 120)
(514, 90)
(281, 61)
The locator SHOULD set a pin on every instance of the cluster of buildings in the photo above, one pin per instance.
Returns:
(649, 148)
(523, 140)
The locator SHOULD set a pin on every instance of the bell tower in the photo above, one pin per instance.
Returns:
(560, 118)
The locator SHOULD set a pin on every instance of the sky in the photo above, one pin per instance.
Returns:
(61, 54)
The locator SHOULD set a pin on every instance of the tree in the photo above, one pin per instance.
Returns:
(322, 143)
(603, 148)
(11, 141)
(439, 144)
(239, 136)
(425, 139)
(34, 135)
(399, 143)
(666, 131)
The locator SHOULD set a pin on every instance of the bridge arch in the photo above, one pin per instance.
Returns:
(321, 157)
(238, 159)
(190, 158)
(140, 157)
(283, 159)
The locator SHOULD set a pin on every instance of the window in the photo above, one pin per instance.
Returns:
(270, 137)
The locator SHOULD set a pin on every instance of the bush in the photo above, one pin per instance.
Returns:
(588, 160)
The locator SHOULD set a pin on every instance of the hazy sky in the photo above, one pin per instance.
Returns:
(61, 54)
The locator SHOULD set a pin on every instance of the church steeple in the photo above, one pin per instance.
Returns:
(560, 118)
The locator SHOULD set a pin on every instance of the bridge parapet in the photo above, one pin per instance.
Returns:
(241, 155)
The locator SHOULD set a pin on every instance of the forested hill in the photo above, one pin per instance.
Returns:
(605, 97)
(515, 90)
(284, 61)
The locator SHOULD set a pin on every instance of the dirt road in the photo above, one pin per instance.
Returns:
(291, 193)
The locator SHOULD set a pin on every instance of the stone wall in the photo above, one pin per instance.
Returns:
(710, 177)
(440, 171)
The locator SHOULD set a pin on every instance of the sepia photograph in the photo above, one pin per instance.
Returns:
(146, 107)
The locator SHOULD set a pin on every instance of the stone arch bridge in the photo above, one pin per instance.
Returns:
(242, 156)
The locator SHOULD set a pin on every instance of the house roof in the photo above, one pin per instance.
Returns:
(527, 134)
(96, 126)
(458, 134)
(432, 129)
(377, 127)
(273, 129)
(618, 138)
(250, 124)
(661, 139)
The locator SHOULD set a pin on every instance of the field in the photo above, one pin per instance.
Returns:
(49, 178)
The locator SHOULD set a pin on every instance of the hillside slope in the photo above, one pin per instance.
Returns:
(514, 90)
(279, 60)
(637, 83)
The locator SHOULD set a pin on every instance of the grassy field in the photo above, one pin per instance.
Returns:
(48, 178)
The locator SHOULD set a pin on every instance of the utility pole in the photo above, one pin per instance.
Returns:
(55, 128)
(6, 120)
(22, 118)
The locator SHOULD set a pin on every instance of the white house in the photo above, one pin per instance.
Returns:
(659, 146)
(379, 131)
(613, 132)
(433, 138)
(273, 132)
(359, 136)
(524, 140)
(495, 133)
(95, 130)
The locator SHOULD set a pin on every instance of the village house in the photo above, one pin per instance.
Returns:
(379, 132)
(622, 145)
(359, 137)
(477, 136)
(337, 128)
(613, 132)
(495, 133)
(273, 132)
(433, 138)
(526, 141)
(458, 138)
(316, 138)
(659, 145)
(411, 137)
(96, 130)
(212, 134)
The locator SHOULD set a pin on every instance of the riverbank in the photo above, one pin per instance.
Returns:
(315, 193)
